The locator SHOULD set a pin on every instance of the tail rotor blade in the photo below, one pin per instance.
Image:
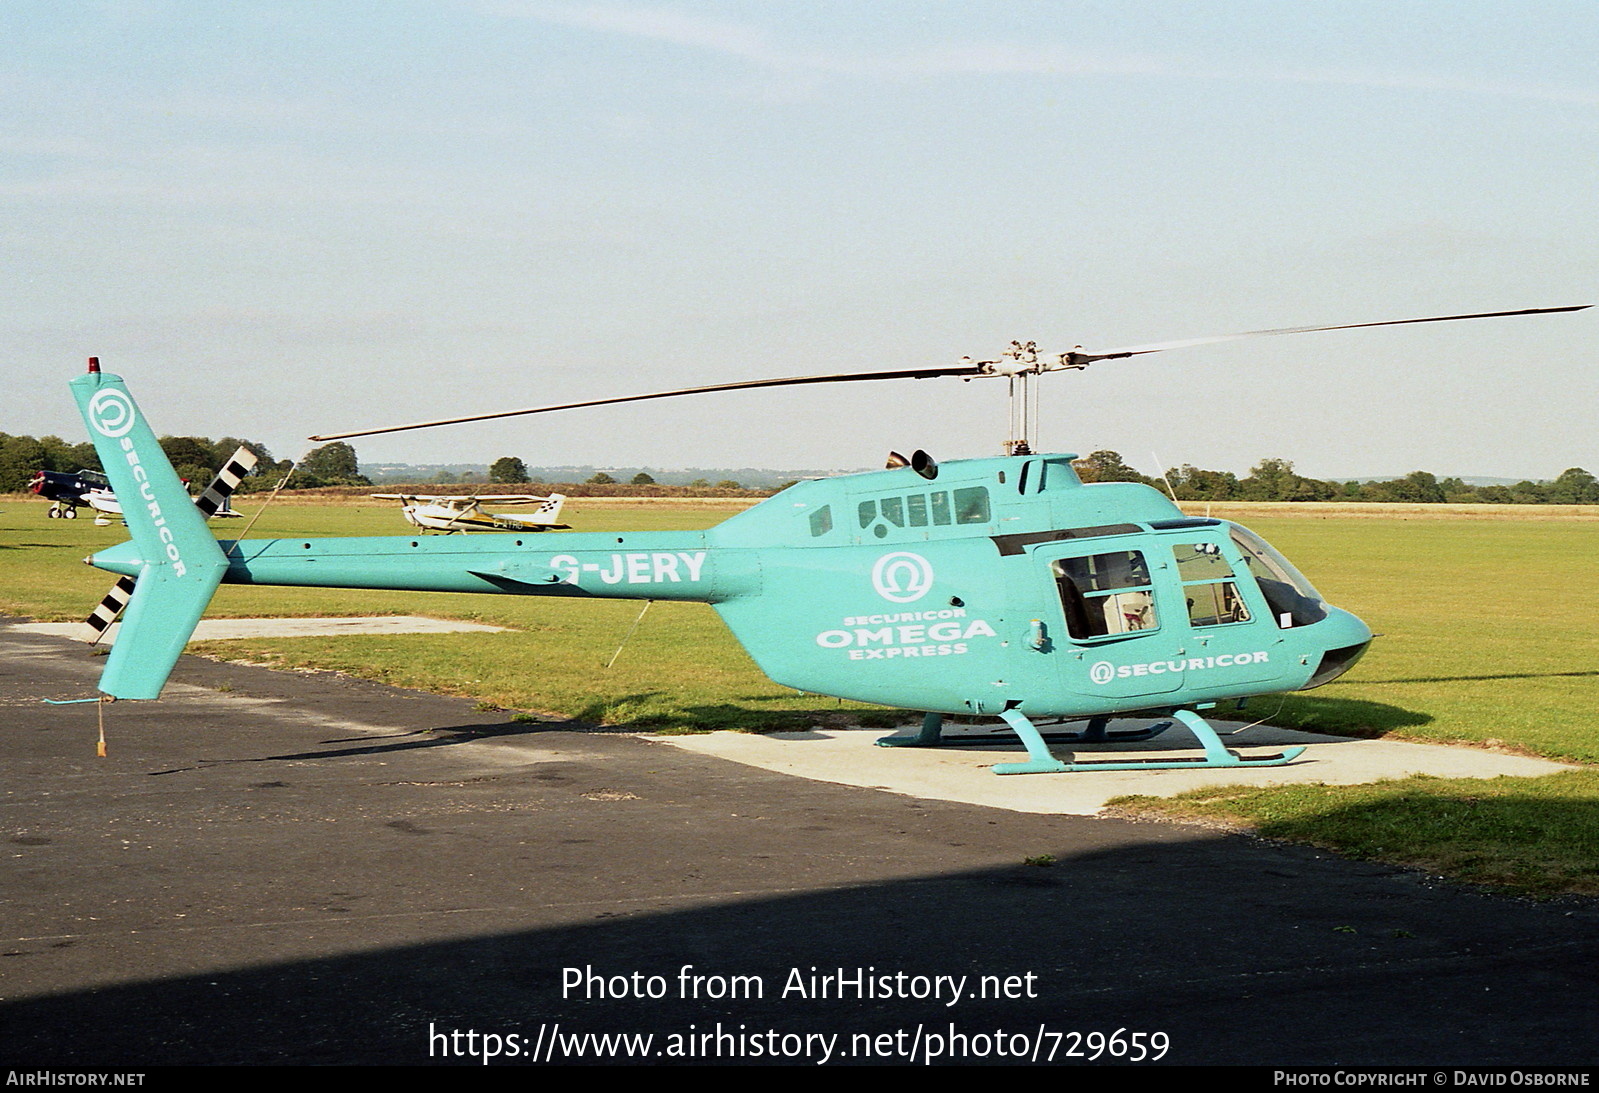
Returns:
(215, 497)
(101, 618)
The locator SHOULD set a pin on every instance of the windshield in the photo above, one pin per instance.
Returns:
(1292, 599)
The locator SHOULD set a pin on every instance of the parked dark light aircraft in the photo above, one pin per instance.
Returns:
(69, 491)
(1000, 587)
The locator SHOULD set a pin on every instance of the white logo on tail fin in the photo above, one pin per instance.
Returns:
(111, 413)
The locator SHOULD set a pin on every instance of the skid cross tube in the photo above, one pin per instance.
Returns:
(1041, 761)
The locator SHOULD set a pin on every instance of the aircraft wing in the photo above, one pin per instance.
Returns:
(462, 500)
(455, 499)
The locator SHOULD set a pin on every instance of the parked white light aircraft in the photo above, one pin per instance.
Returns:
(451, 512)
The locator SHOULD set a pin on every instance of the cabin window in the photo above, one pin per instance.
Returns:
(1208, 585)
(822, 521)
(971, 505)
(920, 510)
(916, 510)
(1105, 594)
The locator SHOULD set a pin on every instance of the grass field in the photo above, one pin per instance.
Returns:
(1489, 625)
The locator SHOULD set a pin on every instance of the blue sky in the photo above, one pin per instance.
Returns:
(276, 219)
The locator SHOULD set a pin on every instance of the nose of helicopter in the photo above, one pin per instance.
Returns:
(1345, 641)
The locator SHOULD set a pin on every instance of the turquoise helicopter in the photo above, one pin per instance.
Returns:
(1003, 587)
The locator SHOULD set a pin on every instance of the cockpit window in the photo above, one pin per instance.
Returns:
(1208, 585)
(1105, 594)
(1292, 599)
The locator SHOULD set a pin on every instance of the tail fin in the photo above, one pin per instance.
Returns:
(549, 513)
(180, 563)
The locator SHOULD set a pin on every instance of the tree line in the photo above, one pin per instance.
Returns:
(196, 458)
(511, 470)
(199, 458)
(1275, 480)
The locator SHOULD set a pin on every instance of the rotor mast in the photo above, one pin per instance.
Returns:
(1023, 399)
(1019, 364)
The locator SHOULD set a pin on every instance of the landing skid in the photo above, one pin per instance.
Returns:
(1041, 761)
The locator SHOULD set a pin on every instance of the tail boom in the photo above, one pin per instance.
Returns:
(653, 566)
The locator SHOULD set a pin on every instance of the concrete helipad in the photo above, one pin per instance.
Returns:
(851, 757)
(227, 629)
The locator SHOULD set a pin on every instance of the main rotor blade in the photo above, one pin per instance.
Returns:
(1133, 351)
(968, 369)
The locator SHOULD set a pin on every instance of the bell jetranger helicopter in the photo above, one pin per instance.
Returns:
(460, 513)
(1001, 587)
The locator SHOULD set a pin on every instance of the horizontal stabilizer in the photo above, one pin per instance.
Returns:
(521, 577)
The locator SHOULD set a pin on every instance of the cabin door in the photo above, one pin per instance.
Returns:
(1120, 626)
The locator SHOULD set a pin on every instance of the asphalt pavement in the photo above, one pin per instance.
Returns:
(275, 867)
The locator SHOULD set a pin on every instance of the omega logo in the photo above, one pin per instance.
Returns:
(902, 577)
